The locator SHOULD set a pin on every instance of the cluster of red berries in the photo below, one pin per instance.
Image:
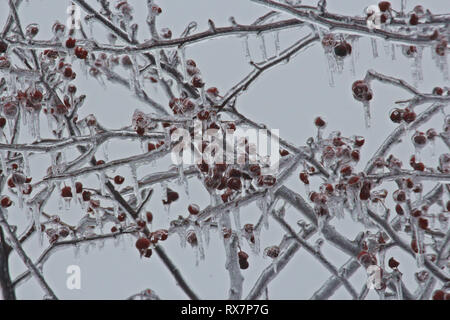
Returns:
(398, 115)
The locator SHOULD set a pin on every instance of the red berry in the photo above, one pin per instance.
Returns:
(149, 216)
(284, 152)
(197, 82)
(66, 192)
(361, 91)
(409, 115)
(171, 196)
(142, 243)
(6, 202)
(191, 238)
(399, 196)
(2, 122)
(121, 217)
(193, 209)
(414, 20)
(359, 141)
(3, 46)
(78, 187)
(419, 139)
(113, 229)
(81, 53)
(384, 6)
(119, 179)
(234, 183)
(86, 195)
(423, 223)
(304, 177)
(70, 43)
(396, 115)
(148, 253)
(438, 91)
(438, 295)
(393, 264)
(364, 193)
(151, 147)
(319, 122)
(342, 49)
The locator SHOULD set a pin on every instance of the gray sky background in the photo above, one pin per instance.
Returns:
(287, 98)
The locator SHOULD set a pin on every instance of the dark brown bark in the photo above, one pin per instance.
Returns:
(5, 278)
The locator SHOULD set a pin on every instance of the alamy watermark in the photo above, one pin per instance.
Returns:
(231, 146)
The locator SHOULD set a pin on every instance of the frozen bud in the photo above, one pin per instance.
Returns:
(166, 33)
(409, 115)
(384, 6)
(10, 109)
(191, 238)
(142, 243)
(272, 252)
(304, 177)
(193, 209)
(32, 30)
(66, 192)
(393, 264)
(343, 49)
(58, 29)
(3, 46)
(320, 123)
(78, 187)
(361, 91)
(171, 196)
(366, 259)
(6, 202)
(419, 139)
(441, 48)
(422, 276)
(328, 41)
(396, 115)
(399, 196)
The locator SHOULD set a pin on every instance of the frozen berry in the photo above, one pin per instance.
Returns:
(142, 243)
(66, 192)
(393, 264)
(119, 179)
(193, 209)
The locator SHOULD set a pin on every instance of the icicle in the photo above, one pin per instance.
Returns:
(3, 161)
(374, 45)
(247, 49)
(67, 203)
(11, 126)
(416, 67)
(200, 247)
(263, 46)
(36, 213)
(398, 284)
(182, 179)
(366, 106)
(331, 61)
(157, 56)
(393, 52)
(276, 35)
(237, 221)
(181, 56)
(26, 163)
(105, 147)
(102, 180)
(135, 184)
